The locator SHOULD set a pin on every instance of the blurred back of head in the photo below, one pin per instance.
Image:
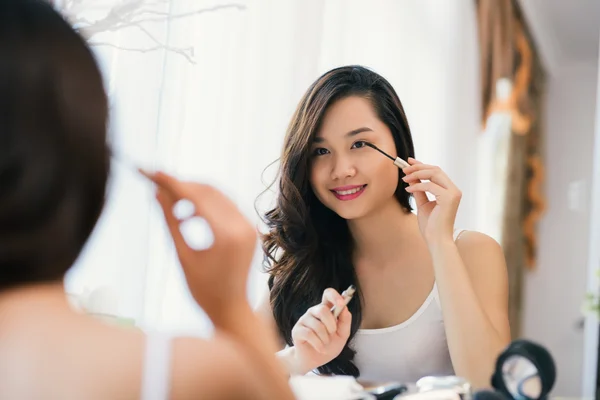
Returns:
(54, 160)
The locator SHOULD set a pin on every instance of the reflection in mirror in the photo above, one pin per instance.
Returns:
(521, 378)
(524, 370)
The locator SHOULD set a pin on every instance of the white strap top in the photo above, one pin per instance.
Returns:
(406, 352)
(156, 374)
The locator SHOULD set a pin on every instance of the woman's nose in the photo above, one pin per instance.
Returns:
(343, 167)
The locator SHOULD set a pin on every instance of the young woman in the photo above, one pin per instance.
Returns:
(54, 164)
(430, 299)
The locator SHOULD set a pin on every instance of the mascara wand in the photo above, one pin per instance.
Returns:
(398, 162)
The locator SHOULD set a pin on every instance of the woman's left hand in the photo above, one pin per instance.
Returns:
(436, 217)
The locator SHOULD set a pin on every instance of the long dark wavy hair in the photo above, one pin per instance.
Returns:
(308, 247)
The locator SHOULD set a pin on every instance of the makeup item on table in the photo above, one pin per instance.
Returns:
(439, 394)
(340, 387)
(398, 162)
(488, 395)
(524, 370)
(459, 385)
(347, 295)
(387, 391)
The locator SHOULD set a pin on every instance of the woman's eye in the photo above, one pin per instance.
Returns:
(320, 151)
(359, 144)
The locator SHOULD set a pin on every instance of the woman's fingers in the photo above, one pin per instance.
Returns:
(305, 334)
(430, 187)
(331, 298)
(317, 327)
(325, 316)
(221, 214)
(167, 203)
(434, 175)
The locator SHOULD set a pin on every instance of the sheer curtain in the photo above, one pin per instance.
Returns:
(213, 100)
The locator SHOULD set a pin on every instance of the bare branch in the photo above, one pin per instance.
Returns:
(134, 13)
(147, 32)
(153, 12)
(188, 14)
(114, 22)
(79, 21)
(181, 51)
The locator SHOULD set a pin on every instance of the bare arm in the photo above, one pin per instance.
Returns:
(470, 274)
(265, 312)
(473, 287)
(259, 344)
(237, 363)
(286, 356)
(217, 279)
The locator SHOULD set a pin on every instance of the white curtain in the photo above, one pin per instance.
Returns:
(219, 114)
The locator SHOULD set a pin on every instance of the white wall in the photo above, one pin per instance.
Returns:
(554, 291)
(590, 354)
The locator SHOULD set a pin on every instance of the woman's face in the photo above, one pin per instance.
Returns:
(348, 177)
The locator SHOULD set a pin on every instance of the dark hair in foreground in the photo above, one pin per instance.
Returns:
(308, 247)
(54, 160)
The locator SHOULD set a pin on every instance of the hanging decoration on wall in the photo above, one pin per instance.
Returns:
(508, 54)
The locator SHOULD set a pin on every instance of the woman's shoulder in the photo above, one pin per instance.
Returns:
(100, 358)
(478, 249)
(468, 239)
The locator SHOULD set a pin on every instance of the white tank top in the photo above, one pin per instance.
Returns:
(156, 375)
(406, 352)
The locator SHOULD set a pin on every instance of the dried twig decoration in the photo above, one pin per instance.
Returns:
(132, 14)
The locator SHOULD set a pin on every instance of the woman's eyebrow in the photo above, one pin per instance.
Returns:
(353, 132)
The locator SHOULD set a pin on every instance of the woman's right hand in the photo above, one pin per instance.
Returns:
(318, 337)
(217, 276)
